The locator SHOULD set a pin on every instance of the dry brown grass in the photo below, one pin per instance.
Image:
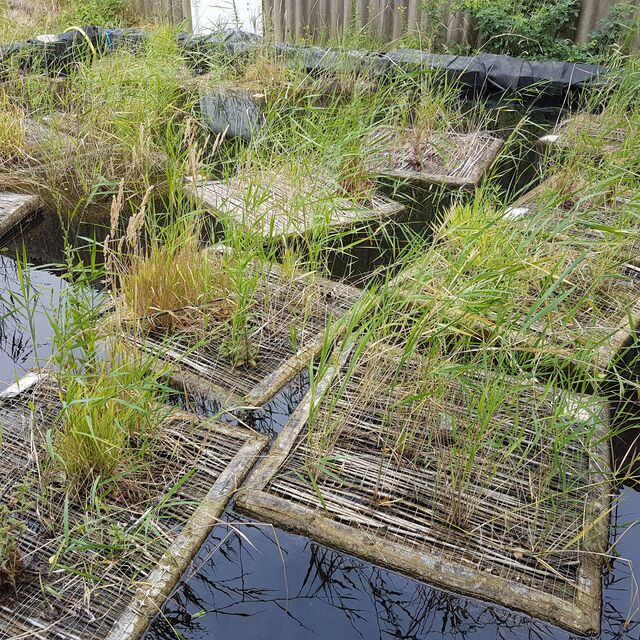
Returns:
(171, 283)
(22, 15)
(178, 287)
(12, 134)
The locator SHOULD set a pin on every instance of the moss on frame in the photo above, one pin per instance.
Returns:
(90, 573)
(429, 478)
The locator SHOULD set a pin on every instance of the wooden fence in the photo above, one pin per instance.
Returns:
(388, 19)
(172, 11)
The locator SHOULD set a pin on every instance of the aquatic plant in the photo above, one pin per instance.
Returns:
(11, 564)
(107, 421)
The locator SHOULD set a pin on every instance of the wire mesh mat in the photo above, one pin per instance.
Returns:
(563, 208)
(83, 561)
(449, 158)
(14, 208)
(566, 301)
(287, 322)
(276, 206)
(433, 479)
(588, 132)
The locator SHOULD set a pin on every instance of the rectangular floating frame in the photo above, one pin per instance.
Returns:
(275, 494)
(226, 201)
(122, 607)
(193, 369)
(623, 330)
(622, 333)
(466, 176)
(14, 209)
(583, 127)
(533, 201)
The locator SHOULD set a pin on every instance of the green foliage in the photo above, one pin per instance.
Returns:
(105, 13)
(532, 29)
(613, 32)
(429, 35)
(526, 28)
(10, 561)
(107, 421)
(125, 92)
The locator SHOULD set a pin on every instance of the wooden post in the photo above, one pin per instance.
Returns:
(591, 13)
(186, 13)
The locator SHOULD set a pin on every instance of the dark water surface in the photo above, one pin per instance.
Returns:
(25, 301)
(251, 581)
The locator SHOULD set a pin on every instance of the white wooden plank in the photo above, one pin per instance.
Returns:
(15, 207)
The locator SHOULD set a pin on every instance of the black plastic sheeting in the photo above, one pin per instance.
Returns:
(77, 45)
(233, 113)
(554, 83)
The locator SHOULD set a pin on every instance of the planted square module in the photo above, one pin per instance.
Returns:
(459, 481)
(100, 522)
(228, 325)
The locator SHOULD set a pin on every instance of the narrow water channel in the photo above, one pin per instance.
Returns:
(251, 581)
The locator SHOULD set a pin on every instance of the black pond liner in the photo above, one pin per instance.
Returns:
(542, 82)
(235, 112)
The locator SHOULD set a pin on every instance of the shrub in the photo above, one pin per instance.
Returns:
(106, 13)
(616, 30)
(528, 28)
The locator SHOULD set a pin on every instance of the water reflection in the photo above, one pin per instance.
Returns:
(268, 419)
(253, 582)
(625, 427)
(25, 301)
(48, 237)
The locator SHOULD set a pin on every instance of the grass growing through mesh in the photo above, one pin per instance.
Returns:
(11, 563)
(108, 421)
(411, 428)
(493, 297)
(114, 118)
(448, 344)
(104, 478)
(541, 283)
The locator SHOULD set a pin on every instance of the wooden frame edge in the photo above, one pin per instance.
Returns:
(154, 591)
(584, 617)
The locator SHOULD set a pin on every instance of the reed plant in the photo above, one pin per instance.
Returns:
(453, 370)
(176, 285)
(11, 563)
(462, 419)
(110, 119)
